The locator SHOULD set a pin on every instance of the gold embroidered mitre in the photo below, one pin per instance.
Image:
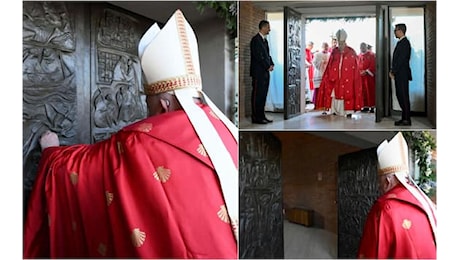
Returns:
(393, 156)
(169, 57)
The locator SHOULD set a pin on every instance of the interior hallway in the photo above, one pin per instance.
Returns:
(314, 120)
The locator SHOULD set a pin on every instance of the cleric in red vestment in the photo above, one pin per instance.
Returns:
(164, 187)
(402, 222)
(340, 89)
(310, 70)
(367, 70)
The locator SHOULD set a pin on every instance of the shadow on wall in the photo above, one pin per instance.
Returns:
(318, 220)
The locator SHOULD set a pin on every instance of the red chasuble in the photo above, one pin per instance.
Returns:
(309, 59)
(397, 227)
(149, 191)
(342, 76)
(367, 62)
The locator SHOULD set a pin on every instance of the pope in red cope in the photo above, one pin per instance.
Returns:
(340, 89)
(164, 187)
(402, 222)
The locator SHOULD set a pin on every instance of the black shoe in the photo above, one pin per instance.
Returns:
(348, 115)
(365, 109)
(258, 121)
(268, 120)
(403, 123)
(371, 111)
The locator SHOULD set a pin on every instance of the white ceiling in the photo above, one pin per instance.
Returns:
(323, 8)
(332, 8)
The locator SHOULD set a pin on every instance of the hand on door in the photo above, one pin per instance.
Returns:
(392, 76)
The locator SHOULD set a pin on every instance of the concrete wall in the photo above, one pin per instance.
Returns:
(309, 173)
(217, 59)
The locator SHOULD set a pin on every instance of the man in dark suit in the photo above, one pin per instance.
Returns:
(401, 73)
(261, 66)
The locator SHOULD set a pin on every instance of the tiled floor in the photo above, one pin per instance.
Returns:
(314, 120)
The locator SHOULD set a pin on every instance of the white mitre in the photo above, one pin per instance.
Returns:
(341, 35)
(147, 38)
(170, 57)
(393, 156)
(170, 62)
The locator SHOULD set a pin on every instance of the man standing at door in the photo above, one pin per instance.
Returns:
(260, 68)
(401, 73)
(402, 222)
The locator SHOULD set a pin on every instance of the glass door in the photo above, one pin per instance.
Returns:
(413, 17)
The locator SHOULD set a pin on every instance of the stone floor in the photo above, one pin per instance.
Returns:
(315, 120)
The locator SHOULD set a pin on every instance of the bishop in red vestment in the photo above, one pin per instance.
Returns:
(155, 189)
(340, 89)
(402, 222)
(367, 70)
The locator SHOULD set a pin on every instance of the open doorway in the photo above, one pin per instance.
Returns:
(320, 40)
(420, 18)
(414, 20)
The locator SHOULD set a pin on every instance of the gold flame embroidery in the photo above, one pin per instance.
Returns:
(137, 237)
(74, 178)
(162, 174)
(223, 215)
(145, 127)
(406, 224)
(102, 249)
(201, 150)
(108, 197)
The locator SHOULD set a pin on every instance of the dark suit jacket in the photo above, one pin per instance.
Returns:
(260, 57)
(400, 63)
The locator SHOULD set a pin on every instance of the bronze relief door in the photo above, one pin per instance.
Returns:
(293, 31)
(116, 78)
(81, 74)
(260, 191)
(357, 190)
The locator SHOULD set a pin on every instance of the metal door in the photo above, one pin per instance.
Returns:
(293, 62)
(261, 204)
(81, 74)
(357, 190)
